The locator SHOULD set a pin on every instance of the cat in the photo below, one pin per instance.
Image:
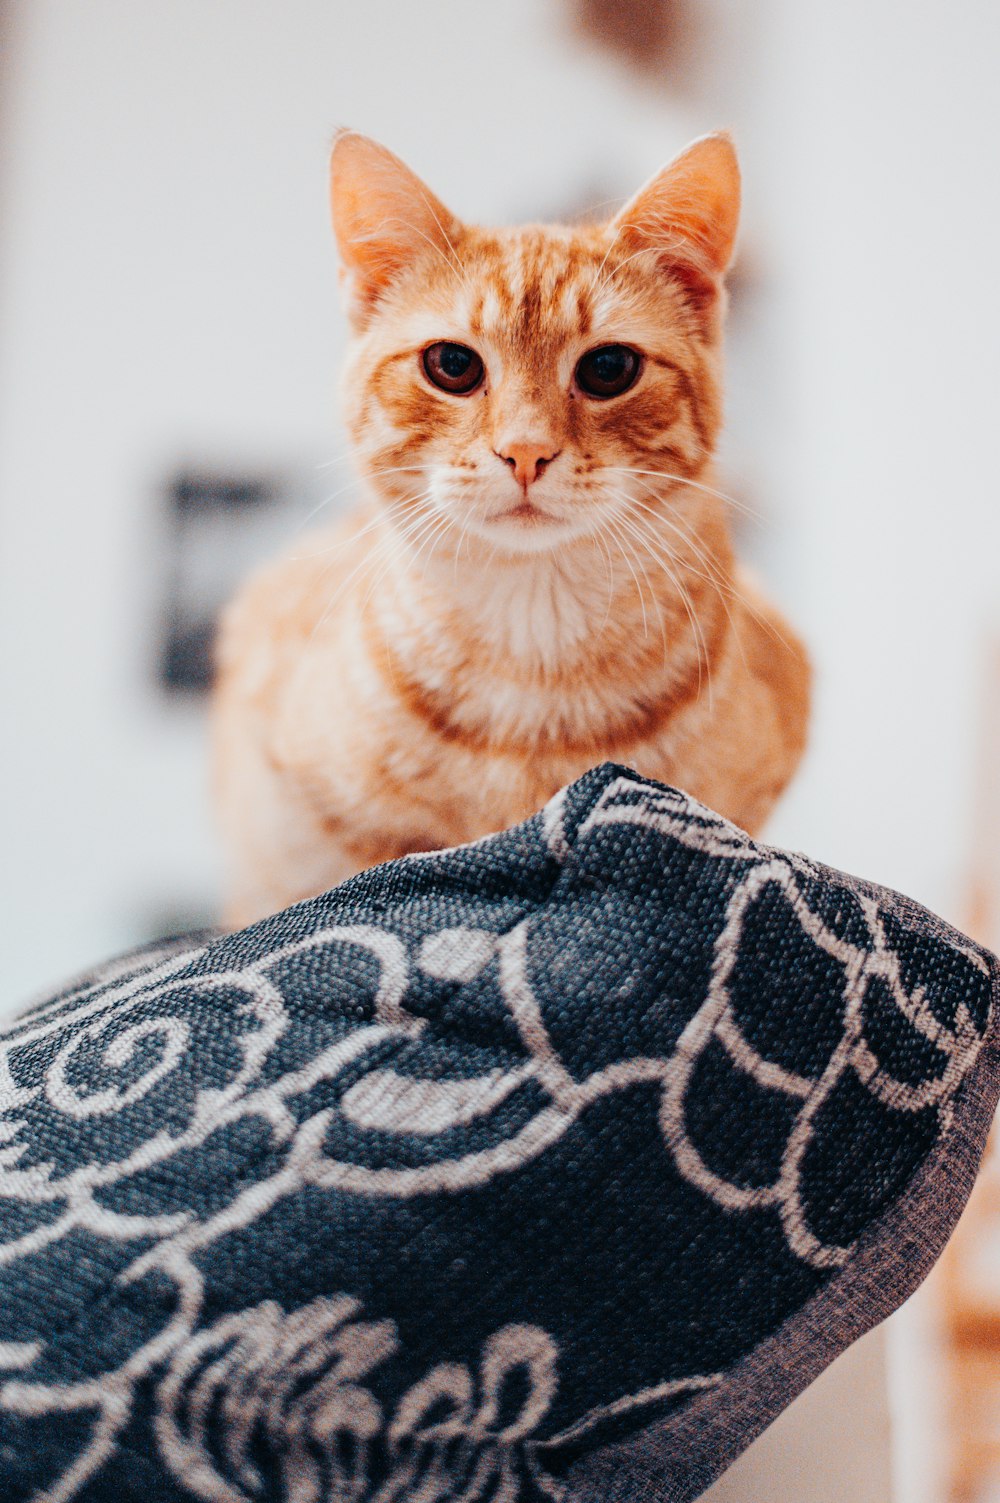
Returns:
(539, 575)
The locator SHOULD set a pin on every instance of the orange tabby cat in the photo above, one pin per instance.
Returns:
(539, 576)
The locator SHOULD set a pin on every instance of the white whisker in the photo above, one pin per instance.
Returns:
(609, 569)
(393, 538)
(697, 485)
(616, 525)
(685, 599)
(418, 535)
(610, 525)
(723, 582)
(597, 275)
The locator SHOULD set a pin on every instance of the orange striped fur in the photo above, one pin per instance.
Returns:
(535, 579)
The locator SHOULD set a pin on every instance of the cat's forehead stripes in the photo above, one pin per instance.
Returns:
(531, 288)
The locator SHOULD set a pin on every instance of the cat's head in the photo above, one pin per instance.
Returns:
(523, 382)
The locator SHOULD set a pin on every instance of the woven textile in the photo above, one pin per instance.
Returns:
(551, 1167)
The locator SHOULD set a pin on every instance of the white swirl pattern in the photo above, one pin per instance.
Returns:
(300, 1382)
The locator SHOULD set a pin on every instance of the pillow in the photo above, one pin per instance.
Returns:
(550, 1167)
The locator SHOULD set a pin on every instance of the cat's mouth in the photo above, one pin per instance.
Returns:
(525, 527)
(525, 512)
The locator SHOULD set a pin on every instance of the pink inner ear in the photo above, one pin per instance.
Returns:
(701, 288)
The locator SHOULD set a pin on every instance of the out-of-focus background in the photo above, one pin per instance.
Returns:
(169, 345)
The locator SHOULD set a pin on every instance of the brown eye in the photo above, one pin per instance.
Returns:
(453, 367)
(607, 371)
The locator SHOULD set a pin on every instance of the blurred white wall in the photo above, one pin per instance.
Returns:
(876, 131)
(883, 199)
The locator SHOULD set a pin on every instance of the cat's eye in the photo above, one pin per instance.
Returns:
(608, 371)
(453, 367)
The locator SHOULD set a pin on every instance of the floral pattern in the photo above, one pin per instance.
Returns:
(412, 1191)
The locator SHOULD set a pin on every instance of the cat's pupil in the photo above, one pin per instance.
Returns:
(455, 360)
(609, 365)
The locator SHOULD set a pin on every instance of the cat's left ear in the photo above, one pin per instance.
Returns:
(384, 218)
(688, 214)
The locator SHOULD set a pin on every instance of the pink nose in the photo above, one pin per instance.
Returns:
(528, 460)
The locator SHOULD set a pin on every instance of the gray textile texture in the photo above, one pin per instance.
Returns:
(549, 1168)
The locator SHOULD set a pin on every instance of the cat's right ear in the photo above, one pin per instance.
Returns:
(383, 217)
(687, 216)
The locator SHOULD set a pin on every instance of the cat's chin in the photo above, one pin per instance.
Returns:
(526, 529)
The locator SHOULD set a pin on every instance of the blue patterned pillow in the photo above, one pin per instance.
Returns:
(547, 1168)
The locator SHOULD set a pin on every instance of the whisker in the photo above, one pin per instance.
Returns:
(643, 250)
(393, 537)
(455, 267)
(615, 524)
(597, 275)
(697, 485)
(714, 576)
(628, 564)
(443, 524)
(463, 276)
(351, 484)
(609, 568)
(417, 534)
(712, 579)
(346, 453)
(724, 583)
(685, 598)
(341, 543)
(463, 534)
(380, 517)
